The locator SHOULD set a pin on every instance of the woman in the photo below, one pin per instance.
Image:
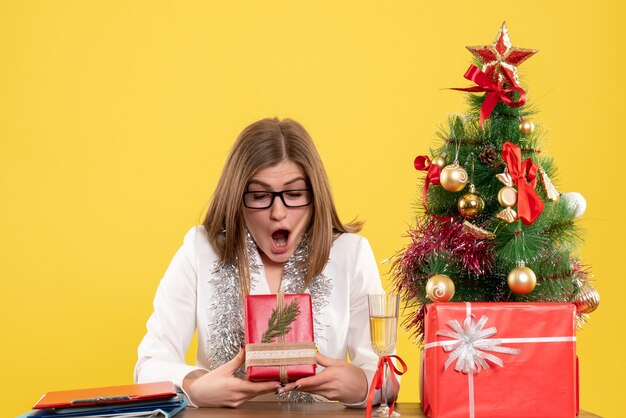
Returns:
(271, 225)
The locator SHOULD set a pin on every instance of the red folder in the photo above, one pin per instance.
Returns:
(106, 395)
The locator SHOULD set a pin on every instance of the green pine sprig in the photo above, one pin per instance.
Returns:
(280, 321)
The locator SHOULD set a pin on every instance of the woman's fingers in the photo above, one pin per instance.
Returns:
(322, 360)
(231, 366)
(257, 388)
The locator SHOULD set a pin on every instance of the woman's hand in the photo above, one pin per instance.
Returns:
(220, 388)
(339, 381)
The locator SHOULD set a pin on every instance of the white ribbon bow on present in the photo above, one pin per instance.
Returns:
(471, 345)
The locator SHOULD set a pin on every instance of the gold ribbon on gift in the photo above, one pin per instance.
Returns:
(280, 353)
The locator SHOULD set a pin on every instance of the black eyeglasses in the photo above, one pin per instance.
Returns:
(290, 198)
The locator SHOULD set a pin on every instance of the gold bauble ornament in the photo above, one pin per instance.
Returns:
(522, 280)
(526, 126)
(439, 288)
(471, 204)
(453, 177)
(507, 197)
(586, 299)
(439, 160)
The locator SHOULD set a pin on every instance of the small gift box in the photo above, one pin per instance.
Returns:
(279, 337)
(499, 360)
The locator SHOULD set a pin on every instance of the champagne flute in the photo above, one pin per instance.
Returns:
(383, 312)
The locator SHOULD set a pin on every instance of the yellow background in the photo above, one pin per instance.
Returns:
(116, 117)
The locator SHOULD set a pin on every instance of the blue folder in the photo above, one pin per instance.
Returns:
(165, 408)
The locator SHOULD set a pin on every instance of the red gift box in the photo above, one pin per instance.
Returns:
(286, 358)
(499, 360)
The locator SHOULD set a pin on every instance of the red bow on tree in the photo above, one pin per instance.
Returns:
(377, 381)
(524, 175)
(495, 92)
(423, 163)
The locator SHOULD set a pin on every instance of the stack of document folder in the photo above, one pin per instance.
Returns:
(152, 400)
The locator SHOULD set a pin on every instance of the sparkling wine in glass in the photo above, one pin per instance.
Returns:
(384, 332)
(383, 313)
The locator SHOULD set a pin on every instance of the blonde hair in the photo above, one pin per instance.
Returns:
(264, 144)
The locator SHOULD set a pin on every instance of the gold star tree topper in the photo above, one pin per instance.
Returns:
(500, 59)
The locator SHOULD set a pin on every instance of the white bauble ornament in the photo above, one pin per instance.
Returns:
(576, 202)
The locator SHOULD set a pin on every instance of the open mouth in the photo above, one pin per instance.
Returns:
(280, 238)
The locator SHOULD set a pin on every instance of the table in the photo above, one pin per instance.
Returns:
(316, 410)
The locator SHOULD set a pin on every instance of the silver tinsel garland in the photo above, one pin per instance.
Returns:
(226, 337)
(227, 325)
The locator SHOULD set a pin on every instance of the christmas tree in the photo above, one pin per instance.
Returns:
(491, 225)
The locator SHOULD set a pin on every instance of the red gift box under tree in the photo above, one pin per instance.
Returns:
(500, 360)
